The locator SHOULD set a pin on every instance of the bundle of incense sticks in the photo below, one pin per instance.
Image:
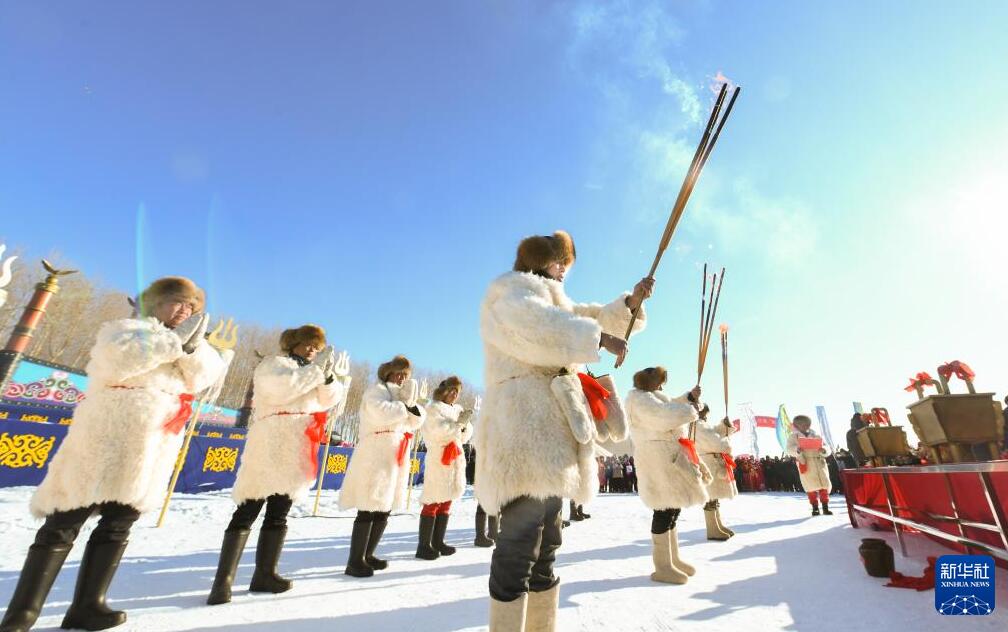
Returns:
(724, 365)
(710, 136)
(708, 310)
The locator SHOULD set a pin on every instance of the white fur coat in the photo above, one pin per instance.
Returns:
(817, 476)
(524, 443)
(711, 442)
(442, 428)
(666, 478)
(374, 480)
(116, 448)
(276, 455)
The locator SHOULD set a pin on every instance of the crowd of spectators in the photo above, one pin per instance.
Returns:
(617, 475)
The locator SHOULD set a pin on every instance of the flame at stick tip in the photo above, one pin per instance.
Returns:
(723, 328)
(719, 79)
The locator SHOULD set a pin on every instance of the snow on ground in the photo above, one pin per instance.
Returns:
(782, 571)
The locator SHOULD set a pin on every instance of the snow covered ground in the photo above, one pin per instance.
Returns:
(782, 571)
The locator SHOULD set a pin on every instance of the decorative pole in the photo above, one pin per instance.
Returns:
(21, 337)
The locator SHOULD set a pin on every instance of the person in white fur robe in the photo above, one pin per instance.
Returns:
(445, 431)
(529, 453)
(378, 474)
(668, 477)
(293, 394)
(118, 454)
(715, 451)
(812, 467)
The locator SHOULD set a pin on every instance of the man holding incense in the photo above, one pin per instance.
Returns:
(534, 447)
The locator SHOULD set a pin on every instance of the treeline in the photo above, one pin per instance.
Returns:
(67, 333)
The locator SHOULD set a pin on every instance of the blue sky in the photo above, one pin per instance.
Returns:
(371, 166)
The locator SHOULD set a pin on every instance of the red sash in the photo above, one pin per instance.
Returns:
(403, 448)
(182, 415)
(315, 433)
(450, 453)
(729, 464)
(803, 468)
(596, 395)
(690, 448)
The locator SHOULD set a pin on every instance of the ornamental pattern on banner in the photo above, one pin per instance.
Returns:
(336, 464)
(57, 387)
(25, 450)
(222, 459)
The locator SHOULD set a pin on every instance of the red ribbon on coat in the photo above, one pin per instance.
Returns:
(315, 433)
(729, 464)
(182, 415)
(920, 380)
(690, 448)
(596, 395)
(403, 448)
(450, 453)
(803, 468)
(961, 370)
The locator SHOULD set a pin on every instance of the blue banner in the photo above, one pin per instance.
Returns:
(211, 463)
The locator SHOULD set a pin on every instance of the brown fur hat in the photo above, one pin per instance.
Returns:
(650, 379)
(803, 419)
(305, 334)
(447, 384)
(171, 288)
(398, 363)
(538, 252)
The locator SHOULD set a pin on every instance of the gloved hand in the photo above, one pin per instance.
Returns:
(424, 392)
(191, 330)
(325, 360)
(465, 416)
(408, 393)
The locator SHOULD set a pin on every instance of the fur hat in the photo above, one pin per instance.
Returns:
(803, 419)
(171, 288)
(398, 363)
(305, 334)
(650, 379)
(447, 384)
(538, 252)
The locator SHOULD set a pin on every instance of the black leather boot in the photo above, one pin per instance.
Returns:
(825, 508)
(574, 515)
(494, 523)
(481, 534)
(265, 578)
(440, 527)
(356, 566)
(41, 566)
(231, 552)
(424, 549)
(377, 530)
(815, 510)
(98, 566)
(582, 513)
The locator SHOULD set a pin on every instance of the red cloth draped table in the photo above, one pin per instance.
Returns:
(947, 503)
